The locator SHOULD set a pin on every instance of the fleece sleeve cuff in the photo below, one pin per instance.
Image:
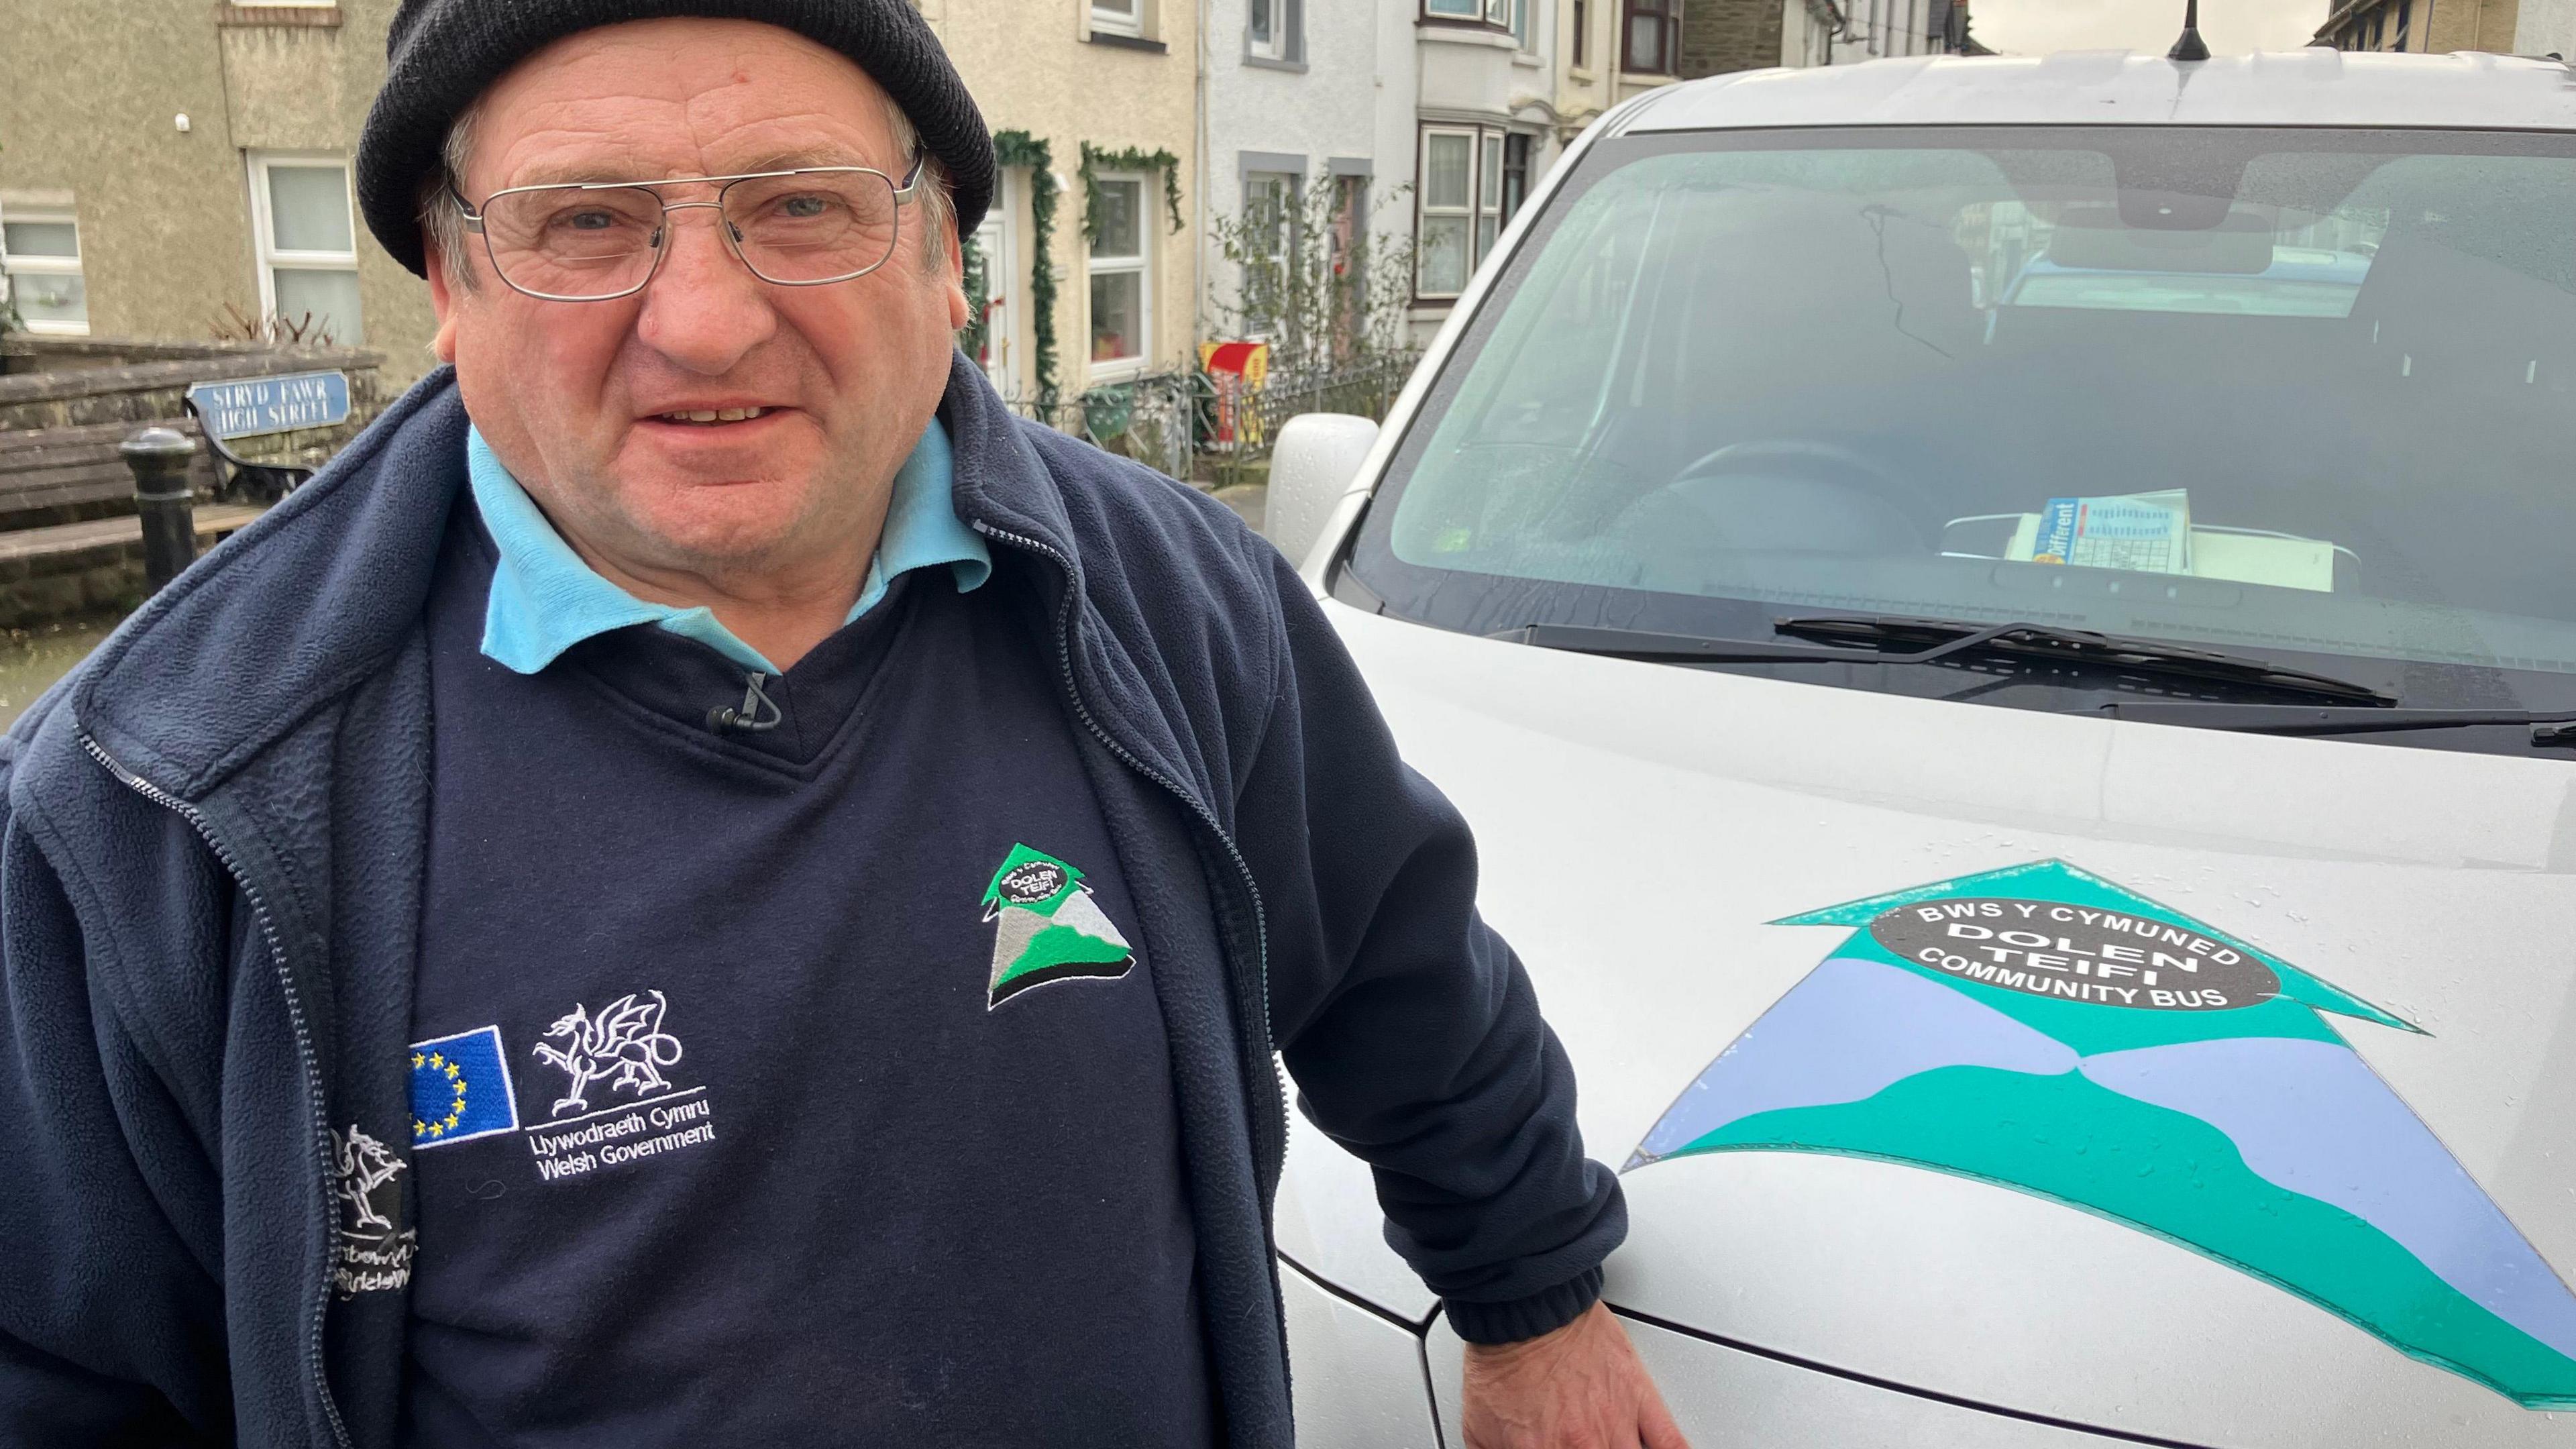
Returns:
(1529, 1317)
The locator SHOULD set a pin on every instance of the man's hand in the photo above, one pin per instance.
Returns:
(1581, 1387)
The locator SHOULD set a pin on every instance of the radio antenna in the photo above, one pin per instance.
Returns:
(2191, 46)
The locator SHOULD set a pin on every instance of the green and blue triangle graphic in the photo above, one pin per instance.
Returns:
(1047, 927)
(2044, 1029)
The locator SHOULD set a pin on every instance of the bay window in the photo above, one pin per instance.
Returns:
(1445, 236)
(1473, 178)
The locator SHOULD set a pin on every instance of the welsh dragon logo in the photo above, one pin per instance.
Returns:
(623, 1042)
(371, 1254)
(364, 1164)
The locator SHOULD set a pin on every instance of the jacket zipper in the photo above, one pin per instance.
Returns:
(303, 1040)
(1243, 868)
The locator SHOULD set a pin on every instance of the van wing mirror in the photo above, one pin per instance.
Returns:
(1312, 467)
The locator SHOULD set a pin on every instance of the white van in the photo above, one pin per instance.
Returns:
(2007, 630)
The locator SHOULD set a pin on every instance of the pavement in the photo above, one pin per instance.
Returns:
(1250, 500)
(32, 659)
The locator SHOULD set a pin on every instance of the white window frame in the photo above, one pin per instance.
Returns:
(1424, 209)
(1107, 19)
(1291, 218)
(15, 267)
(1489, 191)
(1485, 206)
(1508, 16)
(271, 260)
(1280, 46)
(1142, 264)
(1003, 284)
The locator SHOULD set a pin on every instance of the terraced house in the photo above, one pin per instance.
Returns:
(1089, 263)
(2442, 26)
(1306, 162)
(175, 171)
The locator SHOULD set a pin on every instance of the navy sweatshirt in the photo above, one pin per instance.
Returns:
(211, 881)
(793, 1085)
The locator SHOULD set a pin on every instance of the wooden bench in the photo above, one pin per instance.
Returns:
(253, 407)
(64, 475)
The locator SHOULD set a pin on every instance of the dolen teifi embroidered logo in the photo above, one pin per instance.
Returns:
(1047, 927)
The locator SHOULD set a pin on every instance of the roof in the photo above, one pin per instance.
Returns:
(2315, 87)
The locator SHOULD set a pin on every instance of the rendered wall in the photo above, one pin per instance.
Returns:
(2546, 27)
(1034, 66)
(89, 93)
(1324, 112)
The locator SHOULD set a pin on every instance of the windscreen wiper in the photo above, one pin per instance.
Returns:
(2087, 649)
(2556, 727)
(1951, 638)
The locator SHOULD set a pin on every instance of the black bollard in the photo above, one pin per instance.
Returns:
(159, 458)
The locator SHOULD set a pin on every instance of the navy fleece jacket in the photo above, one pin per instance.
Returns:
(210, 883)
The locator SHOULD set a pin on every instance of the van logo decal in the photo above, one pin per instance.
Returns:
(2044, 1029)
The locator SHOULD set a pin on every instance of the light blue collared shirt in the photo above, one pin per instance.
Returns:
(545, 599)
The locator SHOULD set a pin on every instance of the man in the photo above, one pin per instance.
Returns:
(704, 885)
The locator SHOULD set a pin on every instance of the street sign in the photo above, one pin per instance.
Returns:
(255, 405)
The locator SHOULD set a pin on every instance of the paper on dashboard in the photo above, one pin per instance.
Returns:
(2140, 532)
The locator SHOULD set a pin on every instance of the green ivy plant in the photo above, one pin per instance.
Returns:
(1019, 148)
(1096, 160)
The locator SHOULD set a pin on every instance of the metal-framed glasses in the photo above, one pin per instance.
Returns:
(596, 241)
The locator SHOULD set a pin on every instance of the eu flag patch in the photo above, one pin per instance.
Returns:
(460, 1089)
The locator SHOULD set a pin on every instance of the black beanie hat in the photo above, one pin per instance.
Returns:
(442, 54)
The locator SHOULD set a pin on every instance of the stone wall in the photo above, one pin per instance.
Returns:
(66, 403)
(102, 580)
(1728, 35)
(22, 352)
(88, 571)
(61, 382)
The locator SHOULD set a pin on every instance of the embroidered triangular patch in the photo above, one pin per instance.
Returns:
(1047, 927)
